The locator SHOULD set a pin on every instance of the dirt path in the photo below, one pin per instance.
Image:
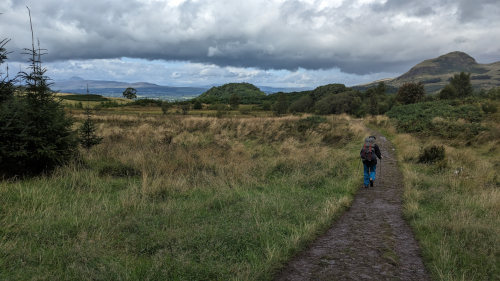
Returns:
(371, 241)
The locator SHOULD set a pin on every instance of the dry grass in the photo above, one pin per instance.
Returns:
(181, 198)
(454, 207)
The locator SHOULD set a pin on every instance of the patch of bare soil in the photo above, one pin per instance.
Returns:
(371, 241)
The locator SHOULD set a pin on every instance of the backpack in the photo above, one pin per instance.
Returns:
(368, 149)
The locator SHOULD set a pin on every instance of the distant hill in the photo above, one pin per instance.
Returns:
(435, 73)
(271, 90)
(246, 91)
(78, 85)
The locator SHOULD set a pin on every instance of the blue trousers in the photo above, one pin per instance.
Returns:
(369, 173)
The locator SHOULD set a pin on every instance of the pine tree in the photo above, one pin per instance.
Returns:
(36, 134)
(87, 132)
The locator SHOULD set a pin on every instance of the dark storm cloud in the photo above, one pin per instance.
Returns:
(466, 10)
(356, 36)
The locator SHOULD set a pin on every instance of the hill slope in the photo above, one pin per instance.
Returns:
(435, 73)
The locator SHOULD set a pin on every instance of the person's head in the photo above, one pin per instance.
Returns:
(371, 139)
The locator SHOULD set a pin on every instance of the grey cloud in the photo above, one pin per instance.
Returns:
(355, 37)
(473, 10)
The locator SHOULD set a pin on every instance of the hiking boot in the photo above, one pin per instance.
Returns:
(371, 182)
(366, 186)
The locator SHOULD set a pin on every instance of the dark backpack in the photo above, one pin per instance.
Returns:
(368, 149)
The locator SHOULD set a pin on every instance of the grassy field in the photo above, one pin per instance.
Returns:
(453, 205)
(171, 197)
(82, 101)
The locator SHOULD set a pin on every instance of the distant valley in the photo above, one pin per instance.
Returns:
(79, 85)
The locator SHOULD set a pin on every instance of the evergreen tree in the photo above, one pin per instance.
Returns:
(36, 134)
(462, 85)
(6, 85)
(87, 132)
(459, 87)
(130, 93)
(372, 101)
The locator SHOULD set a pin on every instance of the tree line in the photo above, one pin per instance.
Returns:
(333, 98)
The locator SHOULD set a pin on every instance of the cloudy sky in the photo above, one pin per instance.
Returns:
(294, 43)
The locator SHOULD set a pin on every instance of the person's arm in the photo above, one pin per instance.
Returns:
(377, 152)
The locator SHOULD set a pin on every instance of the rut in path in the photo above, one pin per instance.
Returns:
(371, 241)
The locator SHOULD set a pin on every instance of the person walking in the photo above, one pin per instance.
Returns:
(369, 154)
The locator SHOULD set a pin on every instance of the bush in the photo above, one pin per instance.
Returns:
(432, 154)
(489, 108)
(448, 119)
(281, 104)
(303, 104)
(146, 102)
(197, 105)
(410, 93)
(346, 102)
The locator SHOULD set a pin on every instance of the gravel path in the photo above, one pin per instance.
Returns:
(371, 241)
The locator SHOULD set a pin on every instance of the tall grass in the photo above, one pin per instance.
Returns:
(454, 205)
(181, 198)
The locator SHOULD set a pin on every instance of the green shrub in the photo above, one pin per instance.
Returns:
(197, 105)
(303, 104)
(439, 118)
(410, 93)
(489, 108)
(432, 154)
(146, 102)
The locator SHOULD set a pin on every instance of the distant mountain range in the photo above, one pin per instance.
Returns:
(79, 85)
(435, 73)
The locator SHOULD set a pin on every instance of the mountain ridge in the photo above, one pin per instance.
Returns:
(435, 73)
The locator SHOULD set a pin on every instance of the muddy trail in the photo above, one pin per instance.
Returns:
(371, 241)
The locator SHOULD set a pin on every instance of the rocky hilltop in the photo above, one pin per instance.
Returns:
(435, 73)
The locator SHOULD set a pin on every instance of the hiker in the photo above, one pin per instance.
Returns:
(369, 154)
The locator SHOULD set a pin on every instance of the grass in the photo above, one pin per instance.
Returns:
(83, 97)
(453, 205)
(180, 198)
(80, 101)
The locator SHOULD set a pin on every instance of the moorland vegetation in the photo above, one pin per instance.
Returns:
(231, 185)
